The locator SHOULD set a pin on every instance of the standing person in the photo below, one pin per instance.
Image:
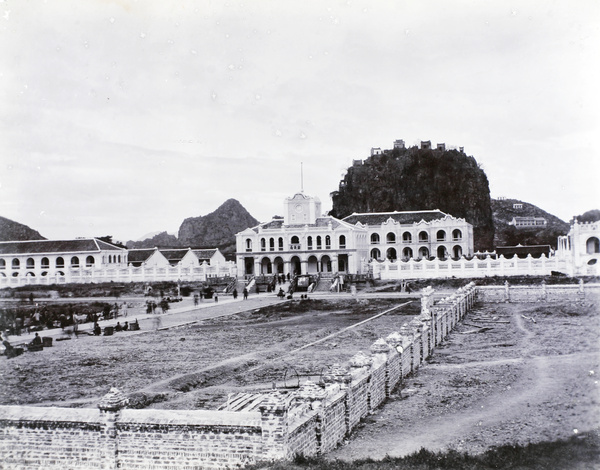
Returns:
(235, 294)
(245, 292)
(216, 298)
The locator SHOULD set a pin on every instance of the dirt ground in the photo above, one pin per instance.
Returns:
(532, 376)
(197, 366)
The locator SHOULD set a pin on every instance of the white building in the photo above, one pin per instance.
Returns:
(51, 259)
(414, 234)
(302, 242)
(581, 248)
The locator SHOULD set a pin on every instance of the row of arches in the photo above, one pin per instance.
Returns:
(422, 237)
(32, 274)
(318, 242)
(311, 265)
(422, 253)
(59, 263)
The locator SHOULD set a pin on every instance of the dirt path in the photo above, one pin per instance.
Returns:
(517, 399)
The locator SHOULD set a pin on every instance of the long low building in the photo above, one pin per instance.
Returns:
(93, 260)
(53, 258)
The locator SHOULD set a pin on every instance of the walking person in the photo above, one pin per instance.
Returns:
(245, 292)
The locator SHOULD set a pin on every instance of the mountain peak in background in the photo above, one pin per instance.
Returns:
(217, 228)
(11, 231)
(504, 210)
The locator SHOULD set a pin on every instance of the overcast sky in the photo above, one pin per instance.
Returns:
(125, 117)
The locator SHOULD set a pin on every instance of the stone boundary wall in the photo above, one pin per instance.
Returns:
(83, 438)
(464, 268)
(128, 274)
(539, 293)
(312, 420)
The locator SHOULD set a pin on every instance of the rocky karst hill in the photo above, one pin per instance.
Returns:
(508, 235)
(162, 239)
(13, 231)
(216, 228)
(415, 179)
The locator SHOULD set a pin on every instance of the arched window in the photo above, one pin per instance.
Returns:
(456, 235)
(407, 253)
(441, 236)
(60, 262)
(327, 242)
(248, 244)
(374, 238)
(280, 243)
(30, 263)
(423, 237)
(390, 237)
(271, 244)
(457, 251)
(16, 264)
(2, 263)
(391, 254)
(424, 252)
(442, 253)
(74, 262)
(89, 261)
(319, 242)
(309, 243)
(407, 237)
(119, 258)
(263, 244)
(295, 243)
(45, 263)
(592, 245)
(342, 242)
(375, 253)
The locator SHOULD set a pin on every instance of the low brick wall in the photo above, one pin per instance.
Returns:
(48, 438)
(181, 439)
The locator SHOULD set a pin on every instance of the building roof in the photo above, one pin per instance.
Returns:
(320, 222)
(140, 255)
(405, 217)
(56, 246)
(205, 254)
(174, 255)
(523, 250)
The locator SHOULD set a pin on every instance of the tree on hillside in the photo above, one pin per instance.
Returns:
(589, 216)
(414, 179)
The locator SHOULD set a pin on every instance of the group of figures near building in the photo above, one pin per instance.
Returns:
(302, 242)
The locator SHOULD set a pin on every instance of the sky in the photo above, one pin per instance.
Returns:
(126, 117)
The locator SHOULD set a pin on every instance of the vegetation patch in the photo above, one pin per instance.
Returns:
(580, 451)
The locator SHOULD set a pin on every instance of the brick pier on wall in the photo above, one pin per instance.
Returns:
(311, 420)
